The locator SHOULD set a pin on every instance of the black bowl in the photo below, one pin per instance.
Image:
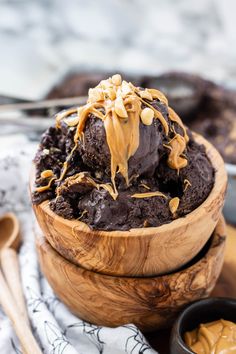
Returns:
(202, 311)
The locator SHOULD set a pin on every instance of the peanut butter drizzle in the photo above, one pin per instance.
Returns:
(65, 164)
(47, 173)
(83, 178)
(159, 116)
(218, 337)
(175, 118)
(186, 184)
(44, 188)
(177, 146)
(89, 108)
(174, 204)
(122, 139)
(149, 195)
(144, 186)
(156, 94)
(119, 105)
(64, 114)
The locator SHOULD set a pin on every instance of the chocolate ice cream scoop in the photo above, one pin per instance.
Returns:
(95, 151)
(129, 117)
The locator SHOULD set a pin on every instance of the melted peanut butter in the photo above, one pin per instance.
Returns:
(122, 139)
(218, 337)
(174, 204)
(175, 118)
(44, 188)
(144, 186)
(119, 105)
(64, 114)
(47, 173)
(148, 195)
(83, 178)
(177, 146)
(158, 116)
(186, 184)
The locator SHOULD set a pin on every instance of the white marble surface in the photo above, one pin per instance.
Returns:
(40, 40)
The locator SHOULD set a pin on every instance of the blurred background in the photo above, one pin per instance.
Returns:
(41, 40)
(53, 49)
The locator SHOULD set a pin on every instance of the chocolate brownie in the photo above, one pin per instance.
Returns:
(124, 160)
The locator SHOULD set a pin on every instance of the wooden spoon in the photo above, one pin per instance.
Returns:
(11, 294)
(9, 244)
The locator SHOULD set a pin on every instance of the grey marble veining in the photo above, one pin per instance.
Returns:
(41, 40)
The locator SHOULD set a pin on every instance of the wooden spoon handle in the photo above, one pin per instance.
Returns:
(11, 271)
(22, 330)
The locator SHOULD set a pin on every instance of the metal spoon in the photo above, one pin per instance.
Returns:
(51, 103)
(11, 294)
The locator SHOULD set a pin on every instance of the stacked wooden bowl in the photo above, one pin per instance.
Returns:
(141, 276)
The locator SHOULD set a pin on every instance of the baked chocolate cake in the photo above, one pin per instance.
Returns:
(124, 160)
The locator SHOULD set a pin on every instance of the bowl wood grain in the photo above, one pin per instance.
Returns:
(150, 303)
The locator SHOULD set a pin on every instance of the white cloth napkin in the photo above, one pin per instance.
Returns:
(57, 330)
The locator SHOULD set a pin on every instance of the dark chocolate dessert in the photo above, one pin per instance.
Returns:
(124, 160)
(216, 121)
(206, 108)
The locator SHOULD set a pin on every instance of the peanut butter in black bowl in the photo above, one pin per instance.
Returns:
(210, 323)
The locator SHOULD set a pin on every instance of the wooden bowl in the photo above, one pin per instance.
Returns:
(137, 252)
(150, 303)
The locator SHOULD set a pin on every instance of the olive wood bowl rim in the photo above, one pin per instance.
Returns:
(220, 183)
(218, 233)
